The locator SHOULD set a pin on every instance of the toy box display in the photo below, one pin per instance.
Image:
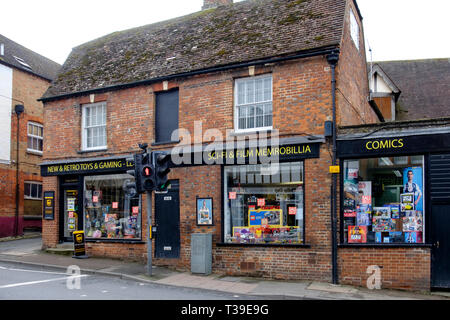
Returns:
(357, 234)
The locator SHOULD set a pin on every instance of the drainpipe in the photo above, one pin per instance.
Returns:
(19, 109)
(333, 59)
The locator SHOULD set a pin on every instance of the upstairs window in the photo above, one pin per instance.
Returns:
(35, 134)
(166, 118)
(33, 190)
(94, 126)
(354, 29)
(253, 103)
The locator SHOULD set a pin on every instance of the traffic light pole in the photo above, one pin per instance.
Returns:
(149, 231)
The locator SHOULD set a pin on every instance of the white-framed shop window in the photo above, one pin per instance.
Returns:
(94, 126)
(33, 190)
(35, 137)
(253, 104)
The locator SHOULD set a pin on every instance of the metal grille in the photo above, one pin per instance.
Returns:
(440, 177)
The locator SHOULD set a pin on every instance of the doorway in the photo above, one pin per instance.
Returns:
(71, 216)
(167, 219)
(439, 173)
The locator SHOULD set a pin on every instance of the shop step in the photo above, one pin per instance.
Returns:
(63, 249)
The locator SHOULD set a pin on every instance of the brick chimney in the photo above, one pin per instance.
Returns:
(208, 4)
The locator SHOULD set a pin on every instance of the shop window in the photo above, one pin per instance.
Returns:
(253, 103)
(94, 126)
(264, 204)
(35, 137)
(383, 203)
(108, 211)
(166, 118)
(33, 190)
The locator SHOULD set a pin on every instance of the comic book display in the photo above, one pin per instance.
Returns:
(400, 220)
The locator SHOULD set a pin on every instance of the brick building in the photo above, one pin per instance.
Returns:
(24, 76)
(235, 72)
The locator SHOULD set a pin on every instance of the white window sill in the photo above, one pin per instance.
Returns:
(252, 131)
(36, 152)
(93, 150)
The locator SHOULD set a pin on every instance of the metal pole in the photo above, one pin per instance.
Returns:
(16, 218)
(333, 60)
(149, 230)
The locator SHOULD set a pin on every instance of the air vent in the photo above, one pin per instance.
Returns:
(440, 177)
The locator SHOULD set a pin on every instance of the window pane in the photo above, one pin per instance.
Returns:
(30, 143)
(259, 87)
(27, 190)
(109, 212)
(268, 211)
(39, 190)
(34, 190)
(383, 201)
(40, 142)
(250, 92)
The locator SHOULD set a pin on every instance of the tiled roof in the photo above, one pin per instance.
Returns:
(38, 64)
(230, 34)
(425, 87)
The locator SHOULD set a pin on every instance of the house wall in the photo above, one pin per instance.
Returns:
(352, 84)
(26, 88)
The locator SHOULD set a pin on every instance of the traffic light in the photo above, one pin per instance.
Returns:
(137, 159)
(147, 173)
(161, 161)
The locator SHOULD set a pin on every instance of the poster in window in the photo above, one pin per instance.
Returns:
(365, 192)
(273, 217)
(413, 183)
(382, 224)
(412, 221)
(357, 234)
(204, 211)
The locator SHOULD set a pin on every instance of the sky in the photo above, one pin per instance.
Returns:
(393, 29)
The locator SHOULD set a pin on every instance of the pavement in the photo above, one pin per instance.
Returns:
(27, 250)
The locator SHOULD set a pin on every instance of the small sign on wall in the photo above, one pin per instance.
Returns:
(49, 205)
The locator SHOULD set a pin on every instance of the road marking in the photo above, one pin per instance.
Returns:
(26, 270)
(39, 281)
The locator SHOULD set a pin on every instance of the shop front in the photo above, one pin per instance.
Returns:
(395, 193)
(92, 198)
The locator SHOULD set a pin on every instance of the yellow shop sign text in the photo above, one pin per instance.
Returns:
(385, 144)
(90, 166)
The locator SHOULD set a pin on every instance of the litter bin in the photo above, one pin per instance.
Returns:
(201, 253)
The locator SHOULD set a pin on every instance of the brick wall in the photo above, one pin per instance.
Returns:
(27, 88)
(352, 81)
(401, 268)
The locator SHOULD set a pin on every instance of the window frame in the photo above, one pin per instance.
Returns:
(354, 29)
(425, 234)
(225, 187)
(32, 136)
(30, 197)
(84, 136)
(236, 106)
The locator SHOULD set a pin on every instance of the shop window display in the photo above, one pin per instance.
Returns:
(264, 204)
(108, 211)
(383, 200)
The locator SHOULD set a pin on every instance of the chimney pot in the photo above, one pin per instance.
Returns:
(208, 4)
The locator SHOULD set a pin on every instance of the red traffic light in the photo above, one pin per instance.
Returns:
(147, 171)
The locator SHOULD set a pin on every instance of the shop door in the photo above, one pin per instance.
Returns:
(440, 266)
(71, 218)
(167, 219)
(440, 220)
